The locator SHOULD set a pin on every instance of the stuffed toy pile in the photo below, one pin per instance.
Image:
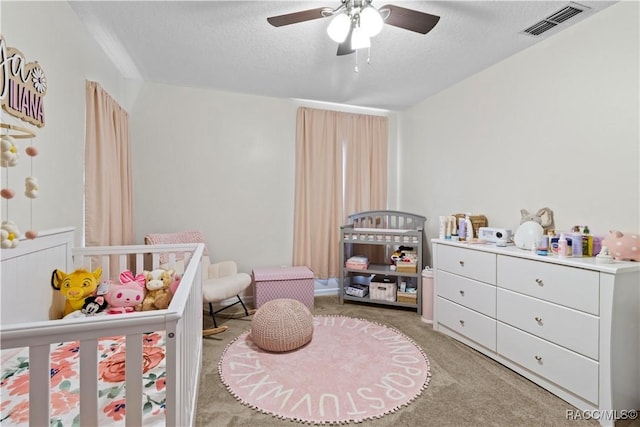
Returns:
(86, 296)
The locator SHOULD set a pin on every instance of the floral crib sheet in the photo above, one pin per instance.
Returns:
(65, 383)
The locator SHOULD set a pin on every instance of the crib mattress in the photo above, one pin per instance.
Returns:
(65, 380)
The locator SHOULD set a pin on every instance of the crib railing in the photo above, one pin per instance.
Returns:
(182, 323)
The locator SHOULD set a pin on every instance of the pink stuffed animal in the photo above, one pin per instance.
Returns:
(126, 296)
(623, 246)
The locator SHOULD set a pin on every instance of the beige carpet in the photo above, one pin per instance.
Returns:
(466, 389)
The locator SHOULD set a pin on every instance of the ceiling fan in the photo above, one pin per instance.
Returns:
(356, 21)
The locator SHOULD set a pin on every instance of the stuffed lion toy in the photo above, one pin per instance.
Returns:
(75, 287)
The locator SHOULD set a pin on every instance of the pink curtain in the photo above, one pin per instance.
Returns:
(108, 180)
(341, 168)
(366, 163)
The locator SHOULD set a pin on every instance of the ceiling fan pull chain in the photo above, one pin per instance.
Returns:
(356, 69)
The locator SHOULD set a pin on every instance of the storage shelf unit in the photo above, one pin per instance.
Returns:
(387, 230)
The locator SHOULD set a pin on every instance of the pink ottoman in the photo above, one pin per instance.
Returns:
(283, 282)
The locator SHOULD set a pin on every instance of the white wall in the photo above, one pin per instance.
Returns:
(50, 33)
(218, 162)
(556, 125)
(222, 163)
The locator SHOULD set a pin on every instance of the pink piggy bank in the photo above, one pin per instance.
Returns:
(623, 246)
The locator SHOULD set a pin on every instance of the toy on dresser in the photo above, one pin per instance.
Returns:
(544, 217)
(623, 246)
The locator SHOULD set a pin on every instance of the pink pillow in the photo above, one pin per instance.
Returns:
(176, 282)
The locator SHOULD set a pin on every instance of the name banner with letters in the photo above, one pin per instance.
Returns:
(23, 86)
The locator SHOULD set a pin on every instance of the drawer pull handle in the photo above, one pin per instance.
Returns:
(538, 319)
(539, 282)
(461, 263)
(462, 293)
(538, 358)
(462, 322)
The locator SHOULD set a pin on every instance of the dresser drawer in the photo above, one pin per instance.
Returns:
(469, 293)
(568, 328)
(468, 263)
(469, 323)
(568, 286)
(569, 370)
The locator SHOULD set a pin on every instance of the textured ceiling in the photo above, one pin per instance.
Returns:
(229, 46)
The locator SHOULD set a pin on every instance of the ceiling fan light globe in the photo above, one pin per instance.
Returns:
(371, 21)
(339, 27)
(360, 39)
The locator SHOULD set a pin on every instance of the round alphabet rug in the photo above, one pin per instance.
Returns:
(352, 370)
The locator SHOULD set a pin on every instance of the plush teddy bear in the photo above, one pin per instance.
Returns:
(158, 283)
(544, 217)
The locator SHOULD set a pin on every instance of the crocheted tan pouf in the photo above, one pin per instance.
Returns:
(282, 325)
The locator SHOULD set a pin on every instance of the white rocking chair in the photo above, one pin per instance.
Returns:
(221, 281)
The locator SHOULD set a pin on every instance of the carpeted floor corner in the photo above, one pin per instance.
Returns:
(466, 388)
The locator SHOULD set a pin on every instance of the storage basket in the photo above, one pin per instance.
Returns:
(357, 290)
(383, 289)
(408, 297)
(406, 267)
(357, 263)
(476, 220)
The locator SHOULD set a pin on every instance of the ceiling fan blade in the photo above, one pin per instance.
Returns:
(294, 18)
(344, 48)
(410, 19)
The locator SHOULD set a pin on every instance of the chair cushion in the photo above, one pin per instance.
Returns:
(194, 236)
(282, 325)
(221, 288)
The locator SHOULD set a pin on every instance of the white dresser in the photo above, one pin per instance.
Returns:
(570, 325)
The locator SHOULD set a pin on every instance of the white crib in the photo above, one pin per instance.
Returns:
(27, 300)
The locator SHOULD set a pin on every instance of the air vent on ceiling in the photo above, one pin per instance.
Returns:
(550, 22)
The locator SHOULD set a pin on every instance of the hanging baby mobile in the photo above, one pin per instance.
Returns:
(22, 89)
